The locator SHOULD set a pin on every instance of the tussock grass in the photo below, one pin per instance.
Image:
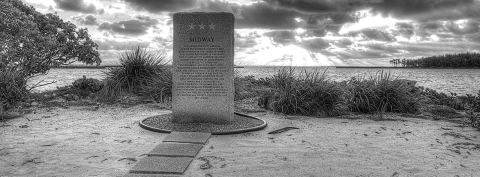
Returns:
(309, 93)
(312, 93)
(138, 69)
(380, 93)
(159, 86)
(13, 88)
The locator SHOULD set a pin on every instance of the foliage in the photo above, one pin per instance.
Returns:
(138, 68)
(110, 91)
(473, 105)
(440, 98)
(159, 87)
(461, 60)
(12, 88)
(381, 93)
(33, 43)
(249, 86)
(89, 84)
(310, 93)
(86, 86)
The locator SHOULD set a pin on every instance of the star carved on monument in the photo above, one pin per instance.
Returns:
(212, 26)
(202, 26)
(192, 26)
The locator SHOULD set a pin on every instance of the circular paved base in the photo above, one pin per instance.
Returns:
(241, 123)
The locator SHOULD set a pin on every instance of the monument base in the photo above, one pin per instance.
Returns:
(240, 124)
(184, 119)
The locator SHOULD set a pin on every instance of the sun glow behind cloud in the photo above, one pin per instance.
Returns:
(368, 20)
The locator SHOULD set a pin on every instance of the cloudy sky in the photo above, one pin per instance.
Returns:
(288, 32)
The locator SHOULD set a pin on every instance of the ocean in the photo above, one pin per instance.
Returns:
(460, 81)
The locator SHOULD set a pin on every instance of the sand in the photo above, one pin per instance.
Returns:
(86, 141)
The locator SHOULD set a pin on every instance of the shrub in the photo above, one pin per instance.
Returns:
(34, 42)
(472, 105)
(12, 88)
(89, 84)
(310, 93)
(137, 69)
(110, 91)
(380, 93)
(159, 87)
(440, 98)
(84, 86)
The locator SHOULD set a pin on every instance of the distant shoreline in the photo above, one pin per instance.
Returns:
(367, 67)
(390, 67)
(103, 67)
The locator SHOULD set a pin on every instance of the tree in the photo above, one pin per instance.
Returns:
(32, 42)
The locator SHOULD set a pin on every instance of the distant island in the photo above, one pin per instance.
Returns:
(460, 60)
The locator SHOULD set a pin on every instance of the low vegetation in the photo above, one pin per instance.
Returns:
(312, 93)
(12, 90)
(140, 72)
(381, 93)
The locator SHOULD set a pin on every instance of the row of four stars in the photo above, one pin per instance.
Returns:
(202, 26)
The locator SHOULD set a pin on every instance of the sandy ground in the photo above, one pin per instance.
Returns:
(84, 141)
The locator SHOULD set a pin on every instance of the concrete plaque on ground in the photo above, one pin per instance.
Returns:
(187, 137)
(159, 165)
(176, 150)
(203, 48)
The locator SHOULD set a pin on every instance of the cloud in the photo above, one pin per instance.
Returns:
(464, 27)
(85, 19)
(343, 43)
(382, 47)
(310, 6)
(316, 44)
(374, 34)
(243, 43)
(282, 37)
(317, 32)
(77, 6)
(322, 6)
(404, 29)
(134, 27)
(119, 45)
(217, 6)
(431, 25)
(261, 15)
(155, 6)
(423, 9)
(473, 37)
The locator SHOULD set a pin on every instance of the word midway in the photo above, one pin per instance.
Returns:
(201, 39)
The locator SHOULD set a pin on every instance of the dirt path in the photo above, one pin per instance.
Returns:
(85, 141)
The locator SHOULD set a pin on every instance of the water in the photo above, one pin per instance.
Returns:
(461, 81)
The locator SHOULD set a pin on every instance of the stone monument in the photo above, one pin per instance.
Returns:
(203, 48)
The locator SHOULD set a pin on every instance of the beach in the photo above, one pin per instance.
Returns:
(105, 140)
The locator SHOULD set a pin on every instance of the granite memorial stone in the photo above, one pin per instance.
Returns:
(203, 49)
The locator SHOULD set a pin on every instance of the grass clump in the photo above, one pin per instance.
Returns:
(249, 87)
(13, 88)
(85, 87)
(310, 93)
(472, 107)
(381, 93)
(138, 70)
(439, 98)
(159, 86)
